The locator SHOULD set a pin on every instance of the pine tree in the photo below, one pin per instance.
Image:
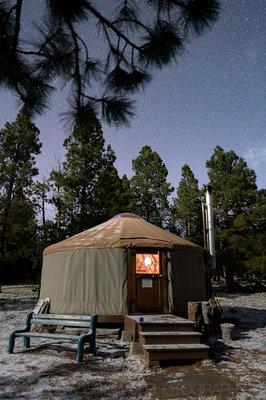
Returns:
(113, 191)
(40, 197)
(56, 184)
(187, 207)
(150, 187)
(234, 195)
(19, 144)
(249, 238)
(125, 195)
(88, 181)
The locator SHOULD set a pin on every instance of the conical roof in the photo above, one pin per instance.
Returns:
(124, 230)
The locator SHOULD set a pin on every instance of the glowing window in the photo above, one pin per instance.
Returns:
(147, 263)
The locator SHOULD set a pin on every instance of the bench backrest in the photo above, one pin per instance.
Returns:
(69, 321)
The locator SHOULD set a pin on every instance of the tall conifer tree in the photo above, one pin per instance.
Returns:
(88, 179)
(234, 195)
(150, 187)
(187, 207)
(19, 144)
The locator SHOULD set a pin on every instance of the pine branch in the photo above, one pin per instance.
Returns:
(31, 53)
(17, 24)
(129, 57)
(77, 66)
(84, 44)
(49, 39)
(110, 25)
(7, 17)
(135, 21)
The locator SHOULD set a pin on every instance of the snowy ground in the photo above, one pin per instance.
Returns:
(236, 370)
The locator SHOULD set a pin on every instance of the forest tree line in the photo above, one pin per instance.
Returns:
(86, 189)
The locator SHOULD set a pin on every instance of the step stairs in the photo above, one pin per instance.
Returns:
(167, 337)
(186, 326)
(163, 352)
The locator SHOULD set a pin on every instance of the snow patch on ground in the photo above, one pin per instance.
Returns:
(235, 370)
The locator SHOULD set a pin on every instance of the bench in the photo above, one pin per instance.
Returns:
(69, 321)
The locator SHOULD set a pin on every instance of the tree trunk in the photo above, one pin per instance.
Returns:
(5, 220)
(43, 217)
(82, 209)
(231, 285)
(6, 213)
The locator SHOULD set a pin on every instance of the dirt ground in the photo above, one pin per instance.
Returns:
(235, 370)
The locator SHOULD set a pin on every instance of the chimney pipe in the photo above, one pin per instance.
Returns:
(210, 227)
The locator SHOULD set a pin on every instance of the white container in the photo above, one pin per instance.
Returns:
(228, 331)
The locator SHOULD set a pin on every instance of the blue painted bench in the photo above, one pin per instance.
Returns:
(69, 321)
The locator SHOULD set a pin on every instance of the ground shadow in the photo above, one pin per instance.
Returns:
(17, 304)
(245, 318)
(219, 351)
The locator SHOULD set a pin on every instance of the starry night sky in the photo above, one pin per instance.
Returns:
(214, 95)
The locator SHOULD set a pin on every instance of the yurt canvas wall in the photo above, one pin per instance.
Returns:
(85, 281)
(187, 279)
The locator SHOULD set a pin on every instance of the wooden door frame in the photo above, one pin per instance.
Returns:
(131, 253)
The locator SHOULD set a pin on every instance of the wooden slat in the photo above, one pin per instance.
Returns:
(63, 317)
(182, 351)
(175, 355)
(175, 347)
(113, 319)
(147, 338)
(169, 333)
(60, 322)
(48, 336)
(156, 319)
(165, 327)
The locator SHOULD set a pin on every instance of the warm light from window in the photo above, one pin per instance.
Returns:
(147, 263)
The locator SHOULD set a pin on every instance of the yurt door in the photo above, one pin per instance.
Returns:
(147, 291)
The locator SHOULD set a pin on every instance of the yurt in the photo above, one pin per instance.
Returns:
(123, 266)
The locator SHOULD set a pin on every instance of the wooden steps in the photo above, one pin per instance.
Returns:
(166, 337)
(169, 337)
(160, 352)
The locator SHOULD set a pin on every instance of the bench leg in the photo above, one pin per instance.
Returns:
(92, 348)
(26, 341)
(119, 334)
(80, 350)
(11, 343)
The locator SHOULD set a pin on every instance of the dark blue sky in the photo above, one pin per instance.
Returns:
(214, 95)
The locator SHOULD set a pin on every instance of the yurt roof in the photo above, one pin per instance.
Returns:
(124, 230)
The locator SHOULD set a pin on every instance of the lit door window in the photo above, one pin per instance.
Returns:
(147, 263)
